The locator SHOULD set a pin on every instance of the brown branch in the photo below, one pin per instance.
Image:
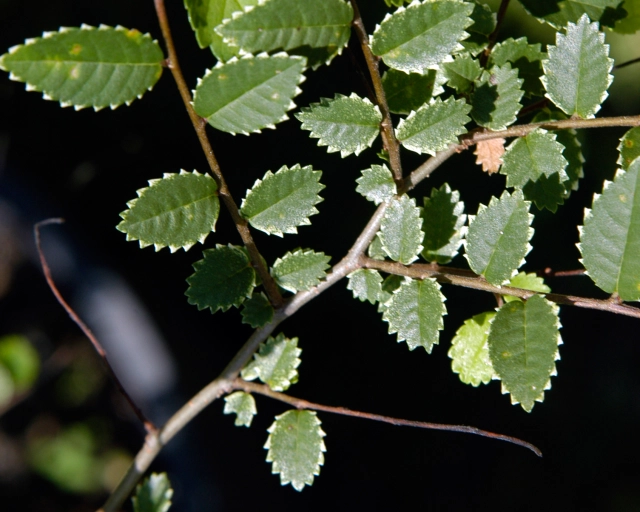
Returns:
(148, 424)
(200, 127)
(299, 403)
(549, 272)
(493, 37)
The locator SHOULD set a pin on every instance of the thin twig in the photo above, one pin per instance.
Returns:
(148, 424)
(299, 403)
(548, 272)
(493, 37)
(625, 64)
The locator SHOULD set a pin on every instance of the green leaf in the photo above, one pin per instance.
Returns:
(496, 98)
(396, 3)
(154, 494)
(629, 148)
(400, 230)
(415, 312)
(498, 237)
(526, 282)
(531, 158)
(576, 74)
(223, 278)
(345, 124)
(176, 211)
(435, 126)
(288, 24)
(558, 13)
(630, 24)
(526, 58)
(251, 93)
(296, 448)
(7, 387)
(610, 237)
(257, 311)
(389, 285)
(275, 363)
(443, 225)
(375, 250)
(523, 345)
(407, 92)
(280, 202)
(21, 360)
(300, 270)
(376, 184)
(366, 284)
(484, 19)
(462, 73)
(469, 350)
(87, 66)
(243, 405)
(422, 35)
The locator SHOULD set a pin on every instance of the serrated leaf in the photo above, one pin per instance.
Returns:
(489, 154)
(389, 285)
(523, 345)
(629, 148)
(296, 448)
(154, 494)
(300, 270)
(496, 98)
(87, 66)
(243, 405)
(484, 19)
(176, 212)
(498, 237)
(434, 127)
(558, 13)
(275, 363)
(375, 249)
(257, 311)
(610, 237)
(526, 58)
(223, 278)
(469, 350)
(346, 124)
(401, 230)
(288, 24)
(461, 73)
(630, 24)
(407, 92)
(423, 35)
(396, 3)
(251, 93)
(366, 284)
(529, 160)
(415, 312)
(443, 224)
(280, 202)
(376, 184)
(526, 282)
(576, 74)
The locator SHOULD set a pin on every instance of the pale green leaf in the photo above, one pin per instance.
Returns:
(462, 73)
(175, 211)
(251, 93)
(610, 237)
(523, 345)
(21, 360)
(296, 448)
(631, 22)
(375, 250)
(376, 184)
(469, 350)
(154, 494)
(389, 285)
(407, 92)
(300, 270)
(525, 57)
(422, 35)
(346, 124)
(87, 66)
(496, 98)
(558, 13)
(415, 312)
(576, 74)
(526, 281)
(400, 231)
(257, 311)
(276, 363)
(243, 405)
(443, 224)
(7, 387)
(629, 148)
(435, 126)
(366, 284)
(498, 237)
(223, 278)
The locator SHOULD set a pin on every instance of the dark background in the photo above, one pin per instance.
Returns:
(84, 166)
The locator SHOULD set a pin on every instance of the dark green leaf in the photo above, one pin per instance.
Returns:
(631, 22)
(526, 58)
(242, 405)
(407, 92)
(275, 363)
(443, 225)
(560, 12)
(154, 494)
(470, 351)
(462, 73)
(496, 99)
(257, 311)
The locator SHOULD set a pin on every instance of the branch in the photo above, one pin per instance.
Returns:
(625, 64)
(299, 403)
(493, 37)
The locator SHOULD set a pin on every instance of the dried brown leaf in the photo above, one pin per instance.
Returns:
(489, 154)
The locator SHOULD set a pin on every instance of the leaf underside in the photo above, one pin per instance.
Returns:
(300, 270)
(276, 363)
(469, 350)
(401, 230)
(243, 405)
(376, 184)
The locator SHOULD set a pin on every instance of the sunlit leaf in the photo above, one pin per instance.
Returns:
(154, 494)
(376, 184)
(525, 57)
(401, 230)
(243, 405)
(257, 311)
(276, 363)
(300, 270)
(469, 350)
(409, 91)
(526, 282)
(629, 147)
(496, 98)
(365, 284)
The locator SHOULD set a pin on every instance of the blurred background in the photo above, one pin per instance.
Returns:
(66, 436)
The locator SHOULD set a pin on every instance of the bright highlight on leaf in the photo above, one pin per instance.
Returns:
(610, 237)
(523, 346)
(401, 230)
(345, 124)
(257, 311)
(300, 270)
(176, 212)
(470, 351)
(154, 494)
(526, 282)
(296, 448)
(366, 284)
(87, 66)
(275, 363)
(281, 202)
(376, 184)
(243, 405)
